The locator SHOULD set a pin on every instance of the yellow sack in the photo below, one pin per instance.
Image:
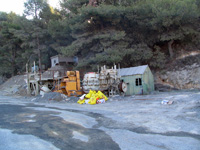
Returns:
(102, 96)
(89, 95)
(81, 101)
(92, 100)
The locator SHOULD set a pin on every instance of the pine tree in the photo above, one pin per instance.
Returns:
(10, 45)
(37, 32)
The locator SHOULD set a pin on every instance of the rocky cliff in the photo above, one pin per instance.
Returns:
(183, 73)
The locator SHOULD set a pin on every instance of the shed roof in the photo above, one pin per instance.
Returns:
(133, 70)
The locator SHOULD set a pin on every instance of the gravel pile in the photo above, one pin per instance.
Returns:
(55, 97)
(15, 85)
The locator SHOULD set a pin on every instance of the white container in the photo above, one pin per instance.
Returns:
(82, 97)
(164, 102)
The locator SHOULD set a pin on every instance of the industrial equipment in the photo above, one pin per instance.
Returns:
(70, 85)
(107, 80)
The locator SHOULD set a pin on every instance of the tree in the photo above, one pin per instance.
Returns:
(10, 45)
(38, 31)
(34, 7)
(129, 32)
(144, 24)
(168, 18)
(72, 6)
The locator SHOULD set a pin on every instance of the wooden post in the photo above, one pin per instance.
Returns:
(37, 88)
(53, 74)
(34, 89)
(28, 81)
(34, 68)
(58, 86)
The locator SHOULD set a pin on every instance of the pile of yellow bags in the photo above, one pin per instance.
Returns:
(92, 98)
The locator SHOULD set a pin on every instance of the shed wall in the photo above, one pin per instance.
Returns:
(147, 83)
(131, 86)
(149, 80)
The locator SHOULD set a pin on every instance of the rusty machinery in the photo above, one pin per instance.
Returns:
(70, 85)
(106, 80)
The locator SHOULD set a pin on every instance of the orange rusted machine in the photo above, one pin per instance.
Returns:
(70, 85)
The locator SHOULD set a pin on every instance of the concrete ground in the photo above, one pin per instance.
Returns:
(127, 123)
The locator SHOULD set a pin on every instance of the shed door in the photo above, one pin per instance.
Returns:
(138, 86)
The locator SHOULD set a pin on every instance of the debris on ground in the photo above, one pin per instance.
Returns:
(44, 89)
(92, 98)
(46, 97)
(167, 102)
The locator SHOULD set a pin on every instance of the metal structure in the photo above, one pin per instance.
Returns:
(35, 79)
(55, 77)
(32, 81)
(70, 85)
(91, 81)
(109, 80)
(106, 80)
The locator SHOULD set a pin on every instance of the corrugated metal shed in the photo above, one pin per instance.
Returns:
(133, 70)
(139, 79)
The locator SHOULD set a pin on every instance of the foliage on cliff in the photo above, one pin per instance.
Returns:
(129, 32)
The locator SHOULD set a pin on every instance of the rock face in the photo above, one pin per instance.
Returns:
(181, 78)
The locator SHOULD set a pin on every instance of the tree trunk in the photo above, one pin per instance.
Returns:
(171, 53)
(13, 68)
(13, 62)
